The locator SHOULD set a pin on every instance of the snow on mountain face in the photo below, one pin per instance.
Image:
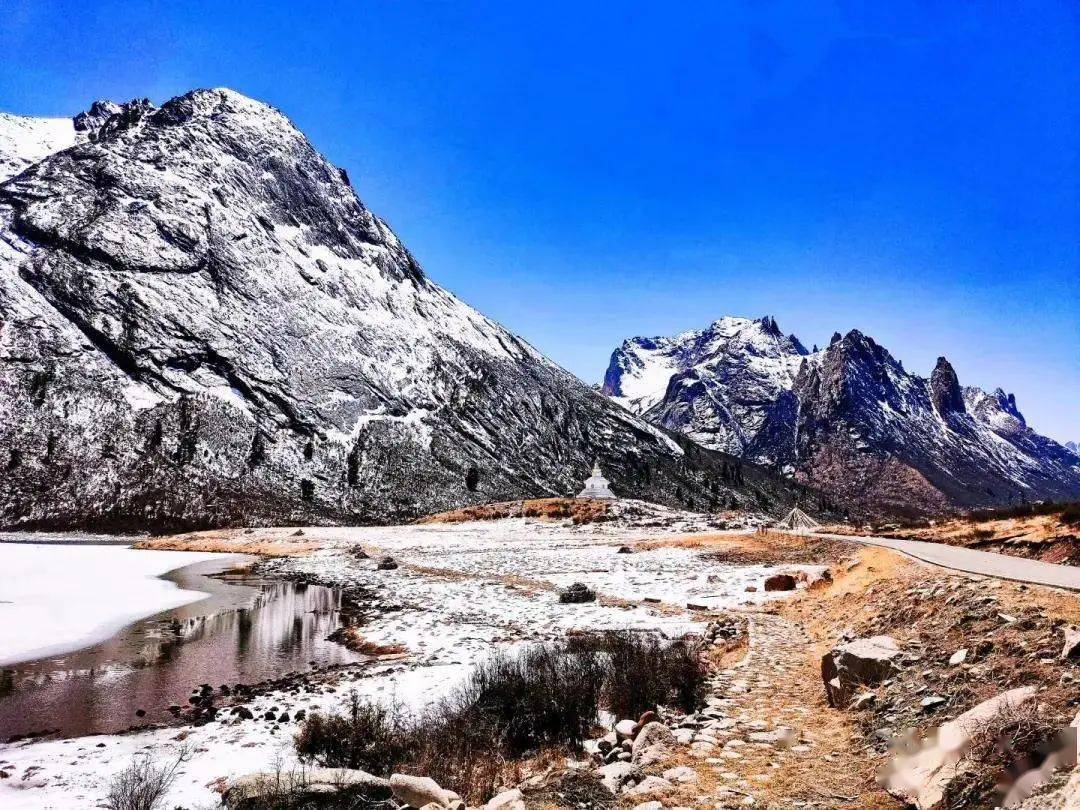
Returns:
(848, 419)
(1073, 447)
(203, 324)
(25, 141)
(716, 385)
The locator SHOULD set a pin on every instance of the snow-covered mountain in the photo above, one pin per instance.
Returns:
(1073, 447)
(202, 323)
(848, 418)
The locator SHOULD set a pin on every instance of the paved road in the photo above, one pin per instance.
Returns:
(972, 561)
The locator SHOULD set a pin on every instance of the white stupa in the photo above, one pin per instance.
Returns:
(596, 486)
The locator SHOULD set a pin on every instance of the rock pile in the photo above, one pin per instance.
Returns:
(578, 592)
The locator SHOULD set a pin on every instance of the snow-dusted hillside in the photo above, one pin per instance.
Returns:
(202, 323)
(24, 141)
(848, 418)
(716, 385)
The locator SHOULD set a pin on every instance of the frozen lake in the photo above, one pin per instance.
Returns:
(59, 597)
(190, 626)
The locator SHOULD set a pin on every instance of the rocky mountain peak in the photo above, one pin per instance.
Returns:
(850, 418)
(945, 388)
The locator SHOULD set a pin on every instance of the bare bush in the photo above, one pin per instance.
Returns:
(372, 737)
(142, 785)
(643, 672)
(1006, 746)
(511, 706)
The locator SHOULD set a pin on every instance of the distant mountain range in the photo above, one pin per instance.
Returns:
(202, 324)
(847, 418)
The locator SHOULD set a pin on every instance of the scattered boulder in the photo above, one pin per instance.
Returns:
(922, 778)
(863, 701)
(625, 550)
(650, 786)
(931, 702)
(652, 744)
(780, 582)
(387, 564)
(626, 729)
(298, 533)
(578, 592)
(417, 791)
(958, 657)
(617, 775)
(818, 579)
(681, 775)
(1072, 642)
(255, 790)
(507, 800)
(864, 661)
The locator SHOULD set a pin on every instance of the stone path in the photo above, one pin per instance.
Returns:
(749, 732)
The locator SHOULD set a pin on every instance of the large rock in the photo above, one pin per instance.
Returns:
(652, 743)
(576, 593)
(922, 778)
(1071, 649)
(864, 661)
(617, 775)
(650, 786)
(254, 790)
(507, 800)
(417, 791)
(780, 582)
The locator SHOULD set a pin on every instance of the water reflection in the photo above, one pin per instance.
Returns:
(245, 631)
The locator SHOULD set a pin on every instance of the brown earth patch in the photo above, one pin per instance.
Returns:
(757, 548)
(580, 510)
(262, 542)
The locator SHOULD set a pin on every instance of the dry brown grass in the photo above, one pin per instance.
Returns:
(351, 638)
(580, 510)
(1046, 537)
(756, 548)
(264, 543)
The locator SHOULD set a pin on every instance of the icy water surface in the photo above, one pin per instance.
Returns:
(245, 630)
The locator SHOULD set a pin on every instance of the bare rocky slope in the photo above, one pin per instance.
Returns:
(203, 325)
(847, 418)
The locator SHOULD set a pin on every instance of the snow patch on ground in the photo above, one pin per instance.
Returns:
(461, 592)
(48, 610)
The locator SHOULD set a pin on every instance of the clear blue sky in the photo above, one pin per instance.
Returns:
(586, 172)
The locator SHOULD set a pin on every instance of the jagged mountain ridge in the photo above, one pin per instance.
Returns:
(848, 418)
(202, 324)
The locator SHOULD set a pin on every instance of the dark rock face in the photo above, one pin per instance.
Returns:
(203, 325)
(945, 389)
(847, 419)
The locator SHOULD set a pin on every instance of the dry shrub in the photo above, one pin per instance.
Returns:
(546, 697)
(1006, 746)
(643, 671)
(142, 785)
(373, 737)
(351, 638)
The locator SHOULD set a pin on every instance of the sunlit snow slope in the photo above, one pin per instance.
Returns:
(203, 324)
(847, 418)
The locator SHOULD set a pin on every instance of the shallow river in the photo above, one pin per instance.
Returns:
(245, 630)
